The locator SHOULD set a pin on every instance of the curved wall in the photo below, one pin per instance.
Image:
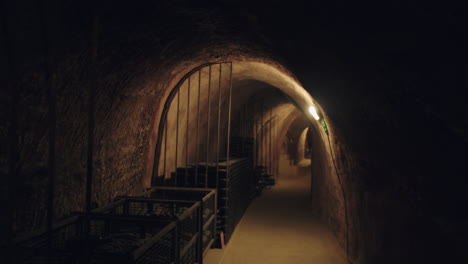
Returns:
(248, 78)
(135, 71)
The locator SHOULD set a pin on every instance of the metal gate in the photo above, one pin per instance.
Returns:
(194, 112)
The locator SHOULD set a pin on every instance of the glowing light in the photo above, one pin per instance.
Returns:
(313, 111)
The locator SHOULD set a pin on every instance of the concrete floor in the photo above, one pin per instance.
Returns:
(279, 227)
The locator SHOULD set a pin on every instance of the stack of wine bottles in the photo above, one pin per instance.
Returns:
(235, 183)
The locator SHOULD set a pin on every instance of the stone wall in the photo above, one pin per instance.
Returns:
(397, 131)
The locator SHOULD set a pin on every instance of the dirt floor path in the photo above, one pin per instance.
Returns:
(279, 227)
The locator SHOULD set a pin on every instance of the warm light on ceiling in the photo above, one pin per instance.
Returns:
(313, 111)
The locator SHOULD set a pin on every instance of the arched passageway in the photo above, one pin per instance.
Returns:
(266, 113)
(255, 99)
(86, 85)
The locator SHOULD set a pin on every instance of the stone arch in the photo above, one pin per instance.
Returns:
(248, 77)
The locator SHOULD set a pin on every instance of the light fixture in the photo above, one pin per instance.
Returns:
(313, 111)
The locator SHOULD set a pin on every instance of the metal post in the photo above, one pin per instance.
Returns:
(250, 119)
(219, 128)
(165, 148)
(276, 149)
(200, 234)
(270, 168)
(208, 127)
(261, 134)
(259, 145)
(177, 135)
(198, 124)
(246, 119)
(240, 123)
(254, 136)
(242, 120)
(186, 131)
(249, 107)
(175, 243)
(229, 122)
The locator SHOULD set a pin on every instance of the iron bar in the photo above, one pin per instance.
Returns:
(258, 125)
(219, 126)
(252, 116)
(165, 148)
(255, 137)
(244, 107)
(167, 105)
(244, 120)
(247, 120)
(229, 122)
(239, 127)
(275, 160)
(259, 139)
(186, 130)
(208, 127)
(243, 127)
(198, 124)
(272, 147)
(261, 134)
(270, 168)
(177, 135)
(249, 114)
(276, 150)
(267, 125)
(251, 120)
(240, 123)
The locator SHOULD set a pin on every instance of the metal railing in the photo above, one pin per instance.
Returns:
(130, 230)
(207, 198)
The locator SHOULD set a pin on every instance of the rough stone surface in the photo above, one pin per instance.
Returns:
(395, 116)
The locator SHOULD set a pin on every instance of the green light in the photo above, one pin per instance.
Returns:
(324, 125)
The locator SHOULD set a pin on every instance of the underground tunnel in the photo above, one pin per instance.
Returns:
(232, 132)
(268, 108)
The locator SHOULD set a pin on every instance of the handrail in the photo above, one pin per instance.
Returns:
(130, 218)
(189, 244)
(211, 191)
(189, 211)
(149, 199)
(107, 207)
(141, 250)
